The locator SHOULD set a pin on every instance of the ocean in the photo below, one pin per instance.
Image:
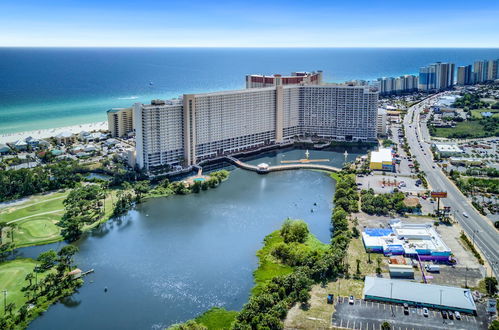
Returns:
(53, 87)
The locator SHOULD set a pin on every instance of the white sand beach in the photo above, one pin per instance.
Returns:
(46, 133)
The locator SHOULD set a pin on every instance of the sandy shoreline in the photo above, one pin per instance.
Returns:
(46, 133)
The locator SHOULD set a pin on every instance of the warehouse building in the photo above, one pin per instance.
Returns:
(382, 160)
(419, 295)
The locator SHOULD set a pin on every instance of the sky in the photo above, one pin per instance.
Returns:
(256, 23)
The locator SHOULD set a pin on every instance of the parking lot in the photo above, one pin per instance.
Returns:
(367, 315)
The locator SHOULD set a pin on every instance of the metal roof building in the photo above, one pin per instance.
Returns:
(418, 294)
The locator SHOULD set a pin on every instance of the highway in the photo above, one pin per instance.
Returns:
(478, 228)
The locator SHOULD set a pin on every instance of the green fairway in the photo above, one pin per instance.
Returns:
(12, 274)
(33, 206)
(36, 218)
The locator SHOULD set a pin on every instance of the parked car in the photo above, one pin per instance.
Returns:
(425, 312)
(444, 314)
(451, 315)
(457, 315)
(432, 268)
(351, 300)
(330, 298)
(406, 309)
(465, 215)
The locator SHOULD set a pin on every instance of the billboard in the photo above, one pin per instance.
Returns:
(438, 194)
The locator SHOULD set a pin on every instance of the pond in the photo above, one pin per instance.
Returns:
(173, 258)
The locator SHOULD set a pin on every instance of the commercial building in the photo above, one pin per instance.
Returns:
(410, 240)
(447, 149)
(296, 78)
(210, 125)
(437, 76)
(120, 121)
(382, 160)
(419, 295)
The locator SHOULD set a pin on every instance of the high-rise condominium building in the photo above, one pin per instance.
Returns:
(399, 85)
(120, 121)
(296, 78)
(436, 76)
(480, 69)
(464, 75)
(209, 125)
(493, 70)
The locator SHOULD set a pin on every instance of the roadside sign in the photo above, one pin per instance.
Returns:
(438, 194)
(491, 306)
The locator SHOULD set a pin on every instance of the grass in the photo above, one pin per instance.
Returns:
(34, 205)
(217, 318)
(477, 113)
(12, 274)
(473, 128)
(37, 218)
(268, 266)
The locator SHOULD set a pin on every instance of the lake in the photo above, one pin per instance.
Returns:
(173, 258)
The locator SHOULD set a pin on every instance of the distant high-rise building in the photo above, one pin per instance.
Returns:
(464, 75)
(480, 69)
(399, 85)
(492, 70)
(436, 76)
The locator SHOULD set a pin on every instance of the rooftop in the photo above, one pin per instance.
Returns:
(382, 155)
(441, 295)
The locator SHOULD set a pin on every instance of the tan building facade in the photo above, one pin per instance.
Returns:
(209, 125)
(120, 121)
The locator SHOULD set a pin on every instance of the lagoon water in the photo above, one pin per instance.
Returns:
(173, 258)
(54, 87)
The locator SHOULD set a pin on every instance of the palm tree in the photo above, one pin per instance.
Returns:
(29, 278)
(10, 307)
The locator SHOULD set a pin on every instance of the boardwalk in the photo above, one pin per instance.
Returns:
(254, 168)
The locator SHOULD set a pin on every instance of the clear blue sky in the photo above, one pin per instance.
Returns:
(257, 23)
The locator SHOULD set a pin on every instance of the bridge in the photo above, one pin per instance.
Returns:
(276, 168)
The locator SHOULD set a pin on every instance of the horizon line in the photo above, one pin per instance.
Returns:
(263, 47)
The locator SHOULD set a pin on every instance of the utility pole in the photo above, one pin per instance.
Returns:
(391, 295)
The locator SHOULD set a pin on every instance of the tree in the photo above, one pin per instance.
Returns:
(47, 259)
(29, 277)
(66, 255)
(10, 307)
(386, 326)
(358, 266)
(491, 285)
(294, 231)
(140, 188)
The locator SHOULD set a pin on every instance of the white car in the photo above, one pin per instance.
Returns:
(351, 300)
(425, 312)
(465, 215)
(457, 315)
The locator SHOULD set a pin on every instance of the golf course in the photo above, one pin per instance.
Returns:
(33, 220)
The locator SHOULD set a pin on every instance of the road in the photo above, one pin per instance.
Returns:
(480, 229)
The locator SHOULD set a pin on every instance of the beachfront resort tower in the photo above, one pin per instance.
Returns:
(210, 125)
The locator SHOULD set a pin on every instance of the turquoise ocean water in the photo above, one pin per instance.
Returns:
(53, 87)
